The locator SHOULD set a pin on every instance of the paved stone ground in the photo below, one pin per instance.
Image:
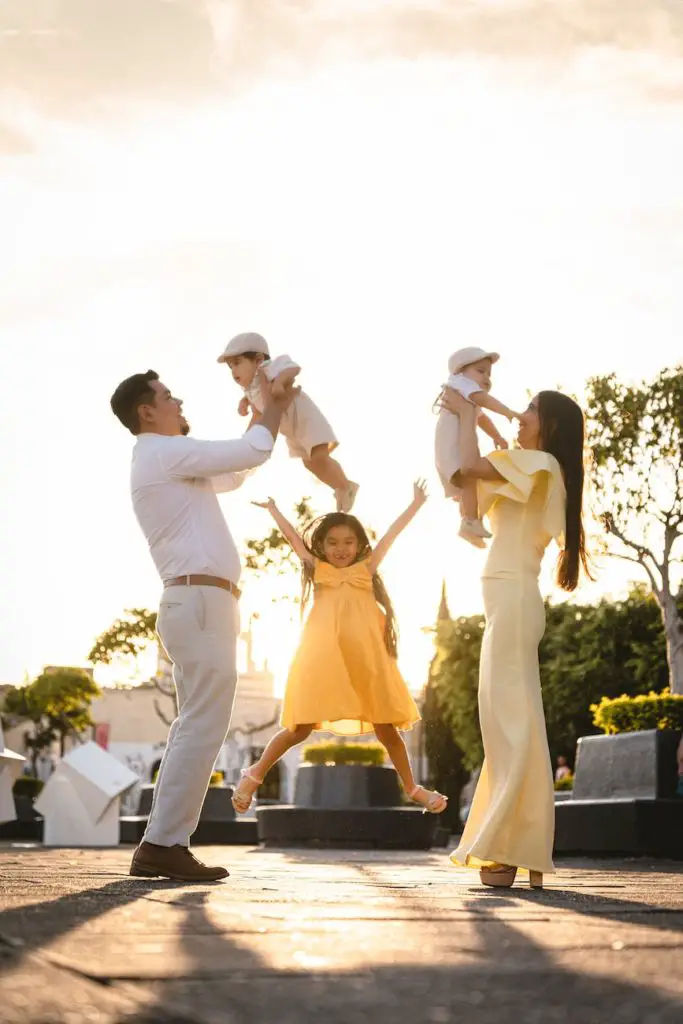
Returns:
(338, 938)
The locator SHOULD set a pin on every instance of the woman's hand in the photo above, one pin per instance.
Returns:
(419, 493)
(455, 403)
(500, 443)
(268, 505)
(244, 406)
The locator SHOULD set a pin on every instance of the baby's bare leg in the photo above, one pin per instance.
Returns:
(469, 506)
(327, 469)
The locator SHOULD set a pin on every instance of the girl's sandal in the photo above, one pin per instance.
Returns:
(244, 791)
(431, 801)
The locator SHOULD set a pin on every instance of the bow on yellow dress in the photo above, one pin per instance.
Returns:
(342, 678)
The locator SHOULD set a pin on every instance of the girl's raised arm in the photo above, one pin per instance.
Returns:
(288, 531)
(382, 548)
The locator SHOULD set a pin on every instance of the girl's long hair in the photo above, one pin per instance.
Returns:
(314, 539)
(562, 435)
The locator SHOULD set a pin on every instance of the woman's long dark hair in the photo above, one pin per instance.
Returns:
(562, 435)
(314, 540)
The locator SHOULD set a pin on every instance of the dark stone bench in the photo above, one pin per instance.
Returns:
(218, 823)
(28, 825)
(624, 799)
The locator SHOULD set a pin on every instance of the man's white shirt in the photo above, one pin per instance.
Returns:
(174, 485)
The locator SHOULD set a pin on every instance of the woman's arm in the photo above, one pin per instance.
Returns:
(382, 548)
(287, 530)
(471, 462)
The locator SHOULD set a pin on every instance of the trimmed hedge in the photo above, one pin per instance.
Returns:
(345, 753)
(217, 778)
(564, 784)
(632, 714)
(27, 785)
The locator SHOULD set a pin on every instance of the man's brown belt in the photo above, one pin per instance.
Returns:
(202, 580)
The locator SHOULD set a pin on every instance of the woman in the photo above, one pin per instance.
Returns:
(531, 496)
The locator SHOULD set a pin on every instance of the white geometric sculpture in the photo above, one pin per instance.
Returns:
(10, 769)
(80, 801)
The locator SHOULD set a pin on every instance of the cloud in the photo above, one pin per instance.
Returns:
(13, 142)
(252, 37)
(71, 53)
(65, 54)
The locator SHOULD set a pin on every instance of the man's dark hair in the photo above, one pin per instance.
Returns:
(130, 395)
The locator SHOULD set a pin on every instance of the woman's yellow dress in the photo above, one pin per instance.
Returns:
(342, 678)
(512, 818)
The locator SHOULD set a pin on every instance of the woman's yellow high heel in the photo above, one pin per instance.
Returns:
(502, 876)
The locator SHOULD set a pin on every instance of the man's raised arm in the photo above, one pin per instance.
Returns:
(187, 458)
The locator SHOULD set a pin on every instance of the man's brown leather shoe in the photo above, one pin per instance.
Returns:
(176, 862)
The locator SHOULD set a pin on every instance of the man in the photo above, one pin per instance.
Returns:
(174, 483)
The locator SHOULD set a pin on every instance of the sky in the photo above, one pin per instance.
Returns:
(370, 185)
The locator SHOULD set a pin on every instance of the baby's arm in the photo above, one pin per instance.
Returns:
(485, 401)
(288, 531)
(489, 427)
(397, 527)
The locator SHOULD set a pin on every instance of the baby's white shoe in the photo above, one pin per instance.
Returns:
(346, 496)
(474, 531)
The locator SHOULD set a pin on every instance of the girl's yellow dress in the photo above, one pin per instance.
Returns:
(342, 678)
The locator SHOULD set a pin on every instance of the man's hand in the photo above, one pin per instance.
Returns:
(282, 396)
(284, 380)
(269, 504)
(275, 404)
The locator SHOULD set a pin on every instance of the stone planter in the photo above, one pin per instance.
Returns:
(218, 823)
(28, 825)
(347, 806)
(346, 785)
(624, 799)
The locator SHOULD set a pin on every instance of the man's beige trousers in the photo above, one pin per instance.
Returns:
(198, 628)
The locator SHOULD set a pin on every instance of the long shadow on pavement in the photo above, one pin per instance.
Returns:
(508, 977)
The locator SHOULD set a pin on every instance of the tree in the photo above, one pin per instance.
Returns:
(20, 704)
(126, 639)
(588, 651)
(57, 703)
(636, 435)
(454, 678)
(447, 773)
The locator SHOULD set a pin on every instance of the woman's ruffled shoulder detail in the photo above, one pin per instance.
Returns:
(522, 470)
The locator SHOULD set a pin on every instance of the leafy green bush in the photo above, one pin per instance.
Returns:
(216, 779)
(27, 785)
(345, 753)
(631, 714)
(567, 782)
